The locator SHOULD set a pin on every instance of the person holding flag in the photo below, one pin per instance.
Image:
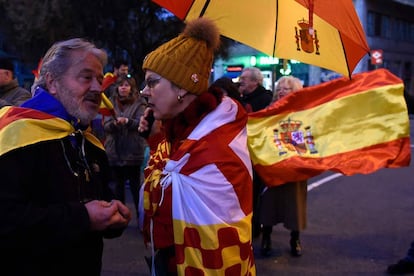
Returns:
(285, 203)
(325, 128)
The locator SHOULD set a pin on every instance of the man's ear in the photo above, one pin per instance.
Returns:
(51, 84)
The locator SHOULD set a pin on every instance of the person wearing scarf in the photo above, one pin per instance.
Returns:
(197, 192)
(56, 205)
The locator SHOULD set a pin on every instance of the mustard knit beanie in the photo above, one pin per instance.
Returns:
(187, 59)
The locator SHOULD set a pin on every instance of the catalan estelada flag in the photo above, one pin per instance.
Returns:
(349, 126)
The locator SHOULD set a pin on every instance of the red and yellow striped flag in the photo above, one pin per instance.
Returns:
(106, 108)
(20, 127)
(348, 126)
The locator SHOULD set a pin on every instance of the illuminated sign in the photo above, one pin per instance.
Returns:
(263, 60)
(234, 68)
(268, 60)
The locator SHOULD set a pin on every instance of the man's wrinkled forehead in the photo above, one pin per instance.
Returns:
(86, 61)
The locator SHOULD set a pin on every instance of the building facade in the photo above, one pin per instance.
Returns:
(389, 27)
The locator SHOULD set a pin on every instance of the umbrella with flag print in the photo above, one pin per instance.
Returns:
(324, 33)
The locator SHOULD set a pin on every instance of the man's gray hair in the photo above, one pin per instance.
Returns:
(58, 58)
(255, 74)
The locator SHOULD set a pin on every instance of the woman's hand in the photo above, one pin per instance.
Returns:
(144, 122)
(121, 121)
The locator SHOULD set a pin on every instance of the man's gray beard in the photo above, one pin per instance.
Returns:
(73, 108)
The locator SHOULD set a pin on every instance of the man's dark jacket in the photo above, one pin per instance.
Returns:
(45, 228)
(258, 99)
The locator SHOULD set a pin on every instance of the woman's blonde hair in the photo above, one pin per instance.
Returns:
(292, 81)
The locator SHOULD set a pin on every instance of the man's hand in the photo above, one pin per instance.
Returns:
(103, 214)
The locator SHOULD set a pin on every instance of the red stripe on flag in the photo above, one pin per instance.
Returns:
(17, 113)
(367, 160)
(302, 100)
(387, 102)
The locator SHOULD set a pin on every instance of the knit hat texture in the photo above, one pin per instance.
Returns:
(7, 64)
(187, 59)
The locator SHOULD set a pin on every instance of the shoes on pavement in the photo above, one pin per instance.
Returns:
(402, 267)
(266, 248)
(295, 248)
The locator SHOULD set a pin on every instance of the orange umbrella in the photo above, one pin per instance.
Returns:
(324, 33)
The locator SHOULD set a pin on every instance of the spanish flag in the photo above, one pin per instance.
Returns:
(349, 126)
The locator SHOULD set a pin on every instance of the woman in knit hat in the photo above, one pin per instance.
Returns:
(198, 184)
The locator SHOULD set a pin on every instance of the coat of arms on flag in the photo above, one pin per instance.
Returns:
(291, 136)
(349, 126)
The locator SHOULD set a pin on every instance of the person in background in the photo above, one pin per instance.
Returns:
(254, 98)
(285, 203)
(108, 87)
(124, 146)
(197, 189)
(56, 205)
(229, 88)
(405, 265)
(10, 91)
(108, 84)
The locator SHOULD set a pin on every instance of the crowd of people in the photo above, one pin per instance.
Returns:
(198, 195)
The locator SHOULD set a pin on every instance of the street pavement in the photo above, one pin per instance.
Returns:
(357, 225)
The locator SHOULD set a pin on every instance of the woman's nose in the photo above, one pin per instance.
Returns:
(145, 91)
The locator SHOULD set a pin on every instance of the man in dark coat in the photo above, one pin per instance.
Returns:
(10, 91)
(254, 98)
(56, 205)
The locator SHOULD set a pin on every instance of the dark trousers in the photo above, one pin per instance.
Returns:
(257, 189)
(123, 173)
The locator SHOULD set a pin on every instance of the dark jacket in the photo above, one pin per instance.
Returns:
(13, 94)
(123, 144)
(45, 225)
(257, 100)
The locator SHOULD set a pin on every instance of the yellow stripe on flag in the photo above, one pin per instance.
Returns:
(342, 125)
(20, 131)
(347, 126)
(106, 108)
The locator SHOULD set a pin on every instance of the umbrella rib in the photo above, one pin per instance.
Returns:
(346, 58)
(204, 8)
(277, 15)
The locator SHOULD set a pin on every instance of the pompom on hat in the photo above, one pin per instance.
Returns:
(187, 59)
(6, 64)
